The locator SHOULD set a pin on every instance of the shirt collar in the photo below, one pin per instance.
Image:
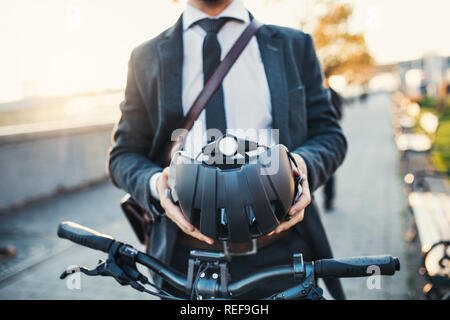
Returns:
(235, 9)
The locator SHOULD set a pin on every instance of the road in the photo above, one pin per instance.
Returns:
(367, 221)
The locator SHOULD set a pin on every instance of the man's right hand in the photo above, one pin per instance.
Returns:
(173, 211)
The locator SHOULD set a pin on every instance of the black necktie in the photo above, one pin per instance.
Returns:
(215, 109)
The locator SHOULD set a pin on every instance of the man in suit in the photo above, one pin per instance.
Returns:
(275, 84)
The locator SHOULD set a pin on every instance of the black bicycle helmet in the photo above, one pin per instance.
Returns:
(234, 190)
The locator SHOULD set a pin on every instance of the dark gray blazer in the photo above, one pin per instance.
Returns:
(152, 109)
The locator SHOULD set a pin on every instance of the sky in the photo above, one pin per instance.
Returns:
(52, 47)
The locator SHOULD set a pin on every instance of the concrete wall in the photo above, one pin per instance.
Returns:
(36, 162)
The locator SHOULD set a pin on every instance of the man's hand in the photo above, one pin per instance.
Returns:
(297, 211)
(173, 211)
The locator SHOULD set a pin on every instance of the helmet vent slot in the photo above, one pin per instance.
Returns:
(277, 209)
(273, 206)
(252, 223)
(250, 215)
(222, 223)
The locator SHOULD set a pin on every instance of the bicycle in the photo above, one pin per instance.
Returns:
(207, 275)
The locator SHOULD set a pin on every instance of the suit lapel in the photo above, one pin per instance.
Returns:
(271, 49)
(171, 59)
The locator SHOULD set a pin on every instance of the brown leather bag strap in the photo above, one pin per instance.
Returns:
(213, 84)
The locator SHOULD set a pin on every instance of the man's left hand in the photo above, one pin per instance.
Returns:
(297, 211)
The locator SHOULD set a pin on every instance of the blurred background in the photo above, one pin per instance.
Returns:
(63, 68)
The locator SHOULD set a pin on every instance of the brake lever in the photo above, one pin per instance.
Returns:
(100, 270)
(124, 271)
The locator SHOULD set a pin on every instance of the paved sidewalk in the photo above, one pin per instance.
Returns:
(42, 256)
(370, 201)
(367, 221)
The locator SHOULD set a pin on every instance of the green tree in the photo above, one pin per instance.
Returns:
(341, 51)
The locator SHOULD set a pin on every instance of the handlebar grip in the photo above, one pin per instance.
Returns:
(85, 236)
(356, 267)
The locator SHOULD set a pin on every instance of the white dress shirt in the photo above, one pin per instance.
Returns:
(246, 91)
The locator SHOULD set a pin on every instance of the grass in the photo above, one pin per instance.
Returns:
(440, 155)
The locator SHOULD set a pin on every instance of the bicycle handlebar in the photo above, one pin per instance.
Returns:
(356, 267)
(326, 268)
(84, 236)
(90, 238)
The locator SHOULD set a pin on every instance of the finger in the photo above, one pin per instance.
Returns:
(290, 223)
(174, 213)
(300, 163)
(303, 201)
(295, 169)
(200, 236)
(301, 204)
(161, 185)
(177, 216)
(166, 172)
